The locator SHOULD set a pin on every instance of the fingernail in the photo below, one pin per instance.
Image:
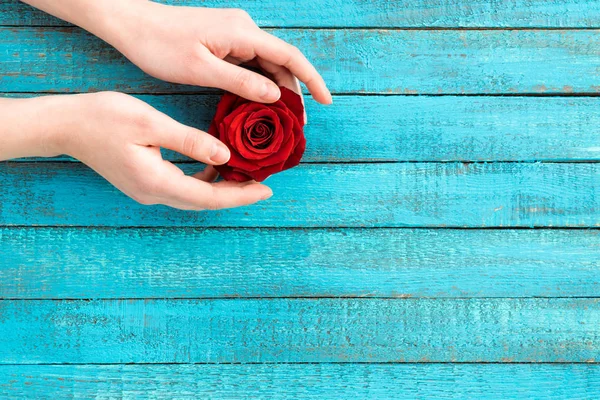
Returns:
(269, 92)
(219, 153)
(267, 195)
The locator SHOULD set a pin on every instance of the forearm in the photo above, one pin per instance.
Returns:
(36, 127)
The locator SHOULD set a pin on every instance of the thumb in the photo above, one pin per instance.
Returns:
(243, 82)
(193, 143)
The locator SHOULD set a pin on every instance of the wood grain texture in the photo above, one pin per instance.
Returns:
(46, 263)
(172, 294)
(377, 13)
(327, 195)
(286, 381)
(300, 330)
(428, 128)
(351, 61)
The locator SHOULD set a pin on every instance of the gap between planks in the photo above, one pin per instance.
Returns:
(323, 363)
(300, 298)
(362, 28)
(299, 228)
(208, 91)
(23, 161)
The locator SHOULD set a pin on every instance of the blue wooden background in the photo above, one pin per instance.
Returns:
(440, 240)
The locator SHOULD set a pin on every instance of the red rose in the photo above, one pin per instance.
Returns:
(263, 138)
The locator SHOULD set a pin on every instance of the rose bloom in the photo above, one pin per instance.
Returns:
(263, 138)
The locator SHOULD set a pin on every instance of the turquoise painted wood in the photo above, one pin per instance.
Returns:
(370, 273)
(378, 13)
(356, 61)
(306, 381)
(327, 195)
(428, 128)
(300, 330)
(46, 263)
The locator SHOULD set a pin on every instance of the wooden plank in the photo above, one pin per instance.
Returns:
(300, 330)
(377, 13)
(285, 381)
(428, 128)
(354, 61)
(327, 195)
(46, 263)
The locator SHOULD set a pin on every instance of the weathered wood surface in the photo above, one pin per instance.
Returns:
(327, 195)
(46, 263)
(306, 381)
(171, 294)
(428, 128)
(300, 330)
(377, 13)
(355, 61)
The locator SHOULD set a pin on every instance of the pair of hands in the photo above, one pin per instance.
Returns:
(120, 136)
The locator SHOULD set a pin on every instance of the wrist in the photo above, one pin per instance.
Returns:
(36, 127)
(61, 119)
(116, 21)
(67, 114)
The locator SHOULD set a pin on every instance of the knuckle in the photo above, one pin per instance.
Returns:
(235, 29)
(147, 202)
(238, 20)
(150, 184)
(294, 50)
(199, 55)
(293, 54)
(143, 199)
(146, 187)
(238, 13)
(194, 67)
(193, 143)
(143, 121)
(110, 95)
(219, 50)
(213, 203)
(243, 80)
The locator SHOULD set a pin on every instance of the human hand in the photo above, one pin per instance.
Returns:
(120, 137)
(204, 47)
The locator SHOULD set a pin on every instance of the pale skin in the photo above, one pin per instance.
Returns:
(120, 136)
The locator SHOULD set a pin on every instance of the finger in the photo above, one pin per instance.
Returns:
(193, 143)
(283, 77)
(243, 82)
(209, 174)
(277, 51)
(189, 193)
(235, 61)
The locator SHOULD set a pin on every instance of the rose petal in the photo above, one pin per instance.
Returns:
(297, 153)
(289, 140)
(286, 118)
(278, 137)
(250, 108)
(230, 128)
(293, 101)
(263, 134)
(234, 175)
(281, 155)
(261, 116)
(245, 127)
(263, 173)
(228, 103)
(229, 134)
(240, 162)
